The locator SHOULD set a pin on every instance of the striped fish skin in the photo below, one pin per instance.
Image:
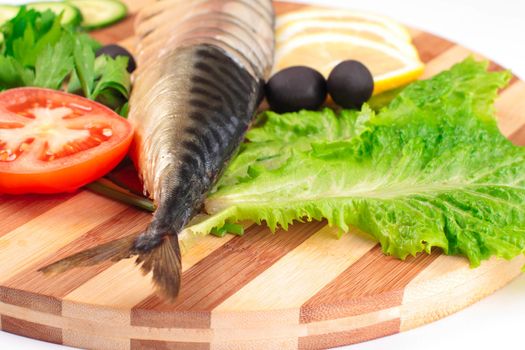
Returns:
(194, 98)
(196, 89)
(194, 113)
(195, 93)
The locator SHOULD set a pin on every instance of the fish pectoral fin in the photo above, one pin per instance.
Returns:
(116, 250)
(164, 261)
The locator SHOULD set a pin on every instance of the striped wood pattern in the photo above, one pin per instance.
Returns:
(301, 289)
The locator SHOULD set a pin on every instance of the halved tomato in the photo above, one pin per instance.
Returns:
(51, 141)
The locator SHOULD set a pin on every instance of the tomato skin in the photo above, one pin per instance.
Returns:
(73, 171)
(66, 179)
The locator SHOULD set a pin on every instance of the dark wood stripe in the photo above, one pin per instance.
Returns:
(31, 330)
(22, 209)
(117, 32)
(372, 283)
(285, 7)
(137, 344)
(518, 136)
(350, 337)
(58, 286)
(29, 300)
(214, 279)
(430, 46)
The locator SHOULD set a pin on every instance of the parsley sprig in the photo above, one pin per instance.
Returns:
(37, 50)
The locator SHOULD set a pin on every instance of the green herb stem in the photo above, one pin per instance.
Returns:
(109, 189)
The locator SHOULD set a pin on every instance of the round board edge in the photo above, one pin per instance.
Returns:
(421, 296)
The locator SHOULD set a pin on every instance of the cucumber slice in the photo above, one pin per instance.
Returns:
(100, 13)
(7, 12)
(71, 16)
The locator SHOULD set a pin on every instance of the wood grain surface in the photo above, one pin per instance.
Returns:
(300, 289)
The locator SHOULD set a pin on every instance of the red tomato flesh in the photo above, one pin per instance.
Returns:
(52, 142)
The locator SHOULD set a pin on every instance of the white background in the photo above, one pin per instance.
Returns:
(495, 29)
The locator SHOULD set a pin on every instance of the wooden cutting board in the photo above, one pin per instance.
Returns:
(297, 289)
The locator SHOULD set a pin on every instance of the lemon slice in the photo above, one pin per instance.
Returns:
(341, 16)
(362, 29)
(390, 67)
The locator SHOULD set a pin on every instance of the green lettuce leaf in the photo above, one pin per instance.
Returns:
(282, 135)
(430, 170)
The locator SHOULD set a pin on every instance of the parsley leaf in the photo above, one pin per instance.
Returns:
(54, 64)
(84, 65)
(38, 51)
(13, 74)
(114, 77)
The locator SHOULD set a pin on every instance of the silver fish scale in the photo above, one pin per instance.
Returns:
(201, 66)
(244, 28)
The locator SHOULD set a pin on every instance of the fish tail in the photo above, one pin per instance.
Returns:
(162, 259)
(116, 250)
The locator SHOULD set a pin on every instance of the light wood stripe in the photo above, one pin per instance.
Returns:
(122, 224)
(22, 209)
(449, 284)
(198, 335)
(221, 274)
(120, 288)
(331, 340)
(273, 344)
(445, 60)
(373, 283)
(33, 241)
(137, 344)
(82, 340)
(44, 293)
(124, 286)
(353, 322)
(293, 280)
(510, 106)
(414, 32)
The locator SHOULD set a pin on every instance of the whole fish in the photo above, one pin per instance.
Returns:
(197, 87)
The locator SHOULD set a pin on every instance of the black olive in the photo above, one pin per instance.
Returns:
(113, 51)
(350, 84)
(296, 88)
